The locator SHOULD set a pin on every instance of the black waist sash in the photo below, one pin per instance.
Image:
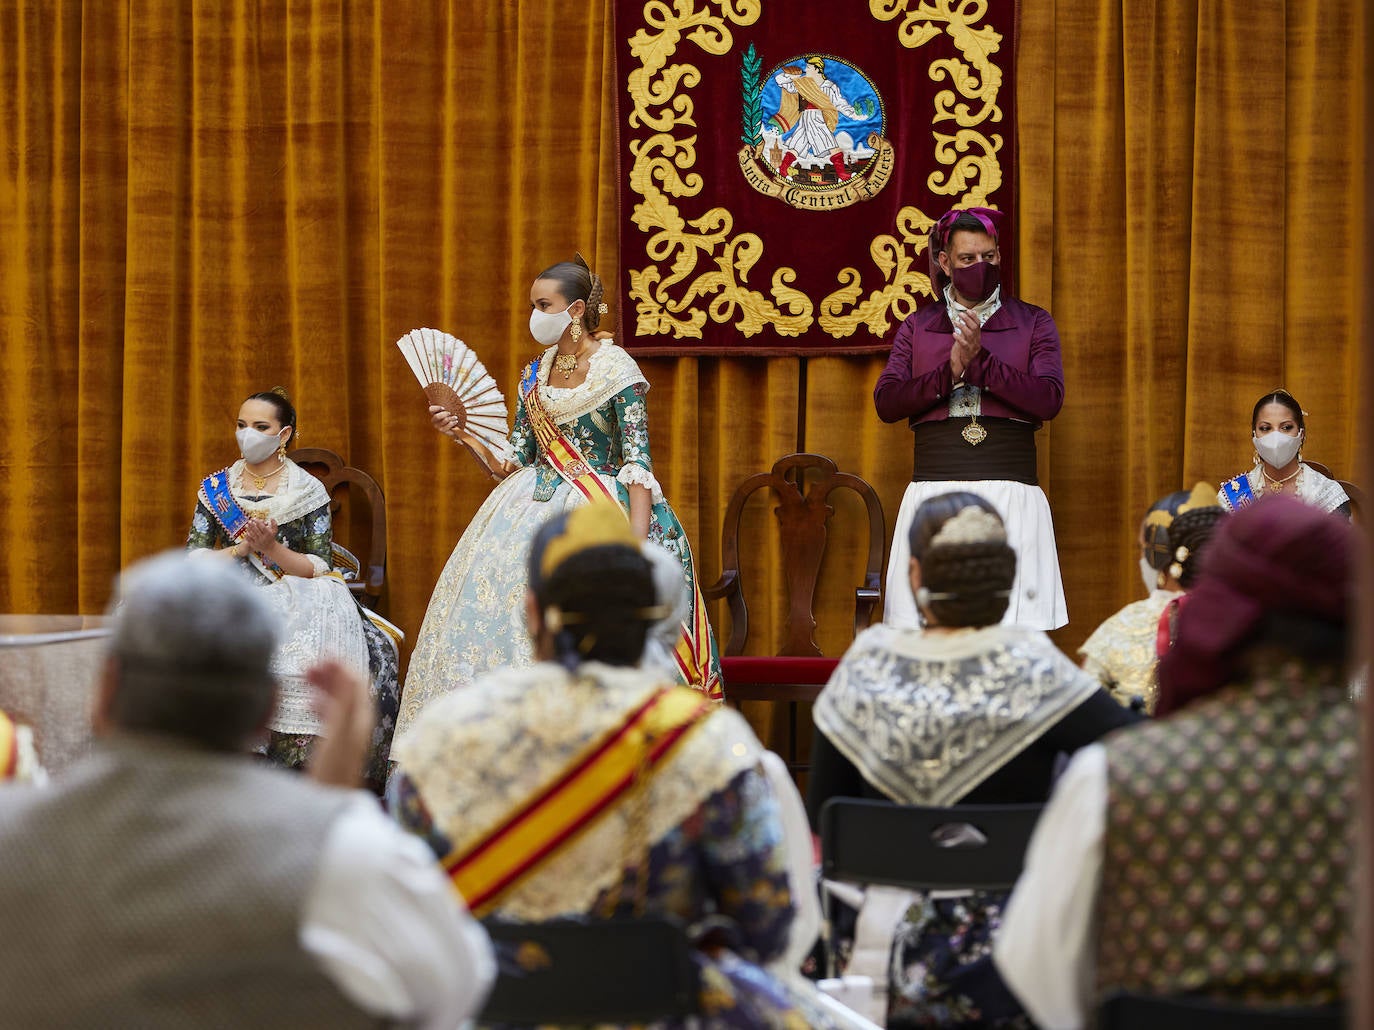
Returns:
(942, 454)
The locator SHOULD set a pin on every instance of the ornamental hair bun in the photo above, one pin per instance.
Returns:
(597, 524)
(971, 525)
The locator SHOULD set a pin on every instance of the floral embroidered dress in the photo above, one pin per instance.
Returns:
(475, 621)
(699, 835)
(317, 617)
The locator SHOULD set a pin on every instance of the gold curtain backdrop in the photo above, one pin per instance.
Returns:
(206, 199)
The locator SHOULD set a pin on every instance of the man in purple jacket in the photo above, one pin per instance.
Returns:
(976, 374)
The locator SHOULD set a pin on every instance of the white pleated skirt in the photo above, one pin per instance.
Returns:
(1037, 595)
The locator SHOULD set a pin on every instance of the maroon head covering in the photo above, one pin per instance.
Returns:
(1277, 556)
(991, 222)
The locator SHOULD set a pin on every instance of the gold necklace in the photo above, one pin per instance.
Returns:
(567, 363)
(1278, 483)
(260, 482)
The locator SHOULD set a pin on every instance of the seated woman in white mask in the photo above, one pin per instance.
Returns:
(1279, 429)
(271, 518)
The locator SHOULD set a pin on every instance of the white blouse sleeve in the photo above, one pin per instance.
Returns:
(1045, 949)
(638, 475)
(387, 927)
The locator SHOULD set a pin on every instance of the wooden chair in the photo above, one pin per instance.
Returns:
(576, 971)
(801, 483)
(329, 469)
(1140, 1012)
(1352, 491)
(962, 847)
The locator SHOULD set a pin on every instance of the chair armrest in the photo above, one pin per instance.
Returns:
(727, 585)
(865, 604)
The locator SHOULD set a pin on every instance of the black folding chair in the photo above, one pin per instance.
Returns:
(590, 971)
(1126, 1011)
(965, 847)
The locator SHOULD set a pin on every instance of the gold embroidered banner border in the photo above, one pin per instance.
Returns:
(781, 164)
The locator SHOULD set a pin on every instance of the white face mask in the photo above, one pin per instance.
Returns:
(1278, 449)
(255, 445)
(547, 326)
(1148, 575)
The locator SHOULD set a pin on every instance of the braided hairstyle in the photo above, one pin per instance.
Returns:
(1188, 535)
(1159, 552)
(576, 281)
(602, 590)
(979, 574)
(281, 403)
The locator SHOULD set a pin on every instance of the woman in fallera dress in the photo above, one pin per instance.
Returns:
(1278, 430)
(497, 780)
(581, 431)
(271, 518)
(1123, 651)
(960, 711)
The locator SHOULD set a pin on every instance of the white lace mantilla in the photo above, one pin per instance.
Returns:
(1121, 651)
(927, 717)
(609, 370)
(1312, 488)
(302, 494)
(477, 754)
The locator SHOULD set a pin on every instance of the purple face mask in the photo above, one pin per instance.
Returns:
(976, 282)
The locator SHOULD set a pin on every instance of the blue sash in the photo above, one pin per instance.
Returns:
(529, 377)
(1238, 493)
(214, 491)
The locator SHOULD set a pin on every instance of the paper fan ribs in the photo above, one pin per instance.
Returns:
(453, 378)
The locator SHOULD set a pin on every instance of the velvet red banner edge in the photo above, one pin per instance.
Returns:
(1011, 186)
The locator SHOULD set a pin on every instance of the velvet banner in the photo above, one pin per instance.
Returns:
(782, 164)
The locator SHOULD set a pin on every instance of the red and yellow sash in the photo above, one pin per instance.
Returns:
(9, 748)
(596, 781)
(693, 650)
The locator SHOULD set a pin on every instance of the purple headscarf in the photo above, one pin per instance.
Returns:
(1277, 556)
(990, 220)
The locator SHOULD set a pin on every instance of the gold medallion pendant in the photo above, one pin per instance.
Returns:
(973, 432)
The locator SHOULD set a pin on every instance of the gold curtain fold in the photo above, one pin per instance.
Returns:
(1191, 212)
(205, 199)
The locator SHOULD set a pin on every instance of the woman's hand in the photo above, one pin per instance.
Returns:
(260, 536)
(451, 426)
(445, 421)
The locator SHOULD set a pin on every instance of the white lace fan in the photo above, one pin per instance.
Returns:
(453, 378)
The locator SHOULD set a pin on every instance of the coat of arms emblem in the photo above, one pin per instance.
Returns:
(813, 132)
